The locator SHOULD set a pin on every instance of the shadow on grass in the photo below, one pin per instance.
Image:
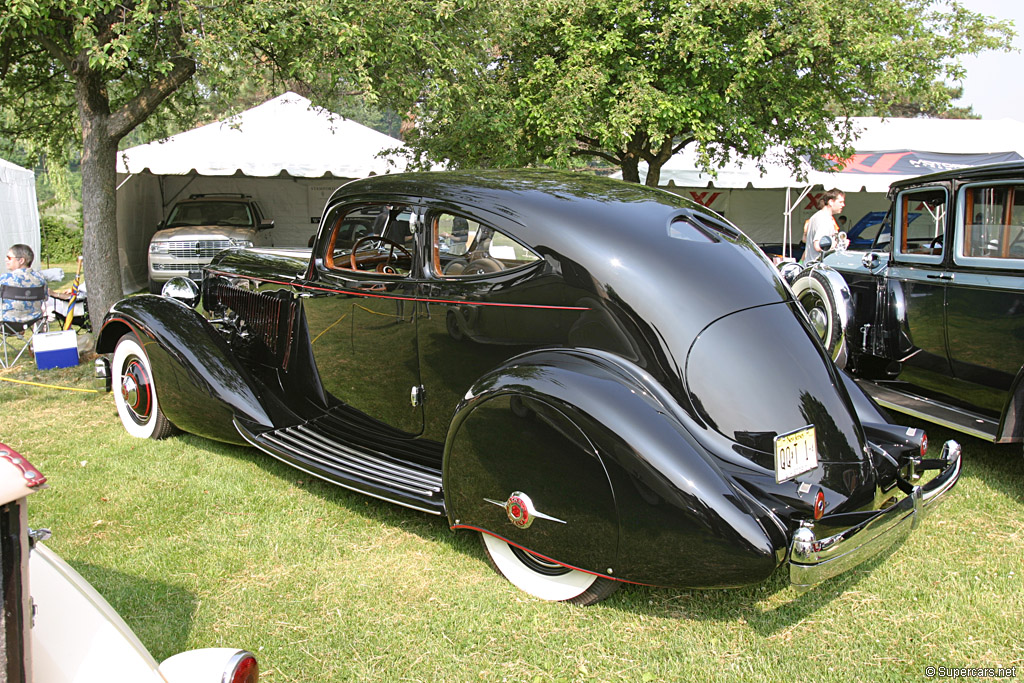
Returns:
(759, 606)
(159, 613)
(999, 467)
(745, 603)
(764, 607)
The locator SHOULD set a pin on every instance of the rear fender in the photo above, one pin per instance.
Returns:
(622, 487)
(201, 385)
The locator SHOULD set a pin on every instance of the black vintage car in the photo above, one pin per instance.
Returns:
(931, 321)
(608, 382)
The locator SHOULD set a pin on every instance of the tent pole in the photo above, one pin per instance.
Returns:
(130, 176)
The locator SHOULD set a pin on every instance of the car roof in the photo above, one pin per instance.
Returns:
(544, 202)
(217, 198)
(988, 171)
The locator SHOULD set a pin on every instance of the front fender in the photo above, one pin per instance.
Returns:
(633, 494)
(201, 385)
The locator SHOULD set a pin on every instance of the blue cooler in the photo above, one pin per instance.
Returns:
(55, 349)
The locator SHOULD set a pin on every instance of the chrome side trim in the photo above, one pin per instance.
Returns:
(813, 560)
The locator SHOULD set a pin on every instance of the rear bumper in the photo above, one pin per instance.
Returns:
(812, 560)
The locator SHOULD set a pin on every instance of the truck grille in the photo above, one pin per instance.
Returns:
(183, 267)
(196, 248)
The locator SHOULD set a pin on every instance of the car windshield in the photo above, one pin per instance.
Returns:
(211, 213)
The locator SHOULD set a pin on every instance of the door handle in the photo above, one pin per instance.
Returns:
(941, 276)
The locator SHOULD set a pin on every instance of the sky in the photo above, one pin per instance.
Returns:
(991, 85)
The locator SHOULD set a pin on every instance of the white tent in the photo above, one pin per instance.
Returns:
(19, 213)
(286, 153)
(887, 150)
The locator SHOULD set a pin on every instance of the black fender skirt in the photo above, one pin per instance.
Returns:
(617, 485)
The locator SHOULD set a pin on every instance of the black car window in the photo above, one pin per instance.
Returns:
(376, 238)
(463, 247)
(921, 224)
(991, 224)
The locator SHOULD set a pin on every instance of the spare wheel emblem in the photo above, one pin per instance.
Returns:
(521, 511)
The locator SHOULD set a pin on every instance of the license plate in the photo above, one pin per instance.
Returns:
(795, 453)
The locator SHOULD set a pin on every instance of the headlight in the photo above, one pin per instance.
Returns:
(241, 243)
(159, 247)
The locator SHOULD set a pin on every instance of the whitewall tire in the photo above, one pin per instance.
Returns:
(135, 392)
(544, 579)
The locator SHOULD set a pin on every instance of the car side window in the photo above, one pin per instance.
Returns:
(375, 238)
(921, 224)
(464, 247)
(991, 225)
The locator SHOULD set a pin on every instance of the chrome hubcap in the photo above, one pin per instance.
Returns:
(136, 391)
(818, 321)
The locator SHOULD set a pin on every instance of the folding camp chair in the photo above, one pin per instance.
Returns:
(11, 330)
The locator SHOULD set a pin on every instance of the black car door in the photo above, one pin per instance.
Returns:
(362, 314)
(985, 300)
(916, 282)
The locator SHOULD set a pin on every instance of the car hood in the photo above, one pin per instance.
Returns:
(204, 232)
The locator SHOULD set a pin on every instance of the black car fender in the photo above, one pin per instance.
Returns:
(610, 478)
(200, 384)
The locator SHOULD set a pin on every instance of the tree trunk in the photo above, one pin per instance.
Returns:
(101, 268)
(631, 168)
(654, 173)
(99, 210)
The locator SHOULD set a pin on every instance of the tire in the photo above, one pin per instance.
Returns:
(451, 322)
(823, 294)
(543, 579)
(155, 287)
(135, 392)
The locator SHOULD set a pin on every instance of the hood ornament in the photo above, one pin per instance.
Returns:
(521, 511)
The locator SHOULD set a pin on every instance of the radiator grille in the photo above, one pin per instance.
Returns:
(268, 317)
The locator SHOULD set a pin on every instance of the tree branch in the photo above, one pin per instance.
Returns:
(56, 51)
(595, 153)
(136, 110)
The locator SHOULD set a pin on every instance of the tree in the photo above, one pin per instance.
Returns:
(630, 81)
(80, 75)
(941, 109)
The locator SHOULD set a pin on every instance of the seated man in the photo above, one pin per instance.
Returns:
(19, 262)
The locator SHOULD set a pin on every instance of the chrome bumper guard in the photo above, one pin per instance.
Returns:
(101, 376)
(813, 560)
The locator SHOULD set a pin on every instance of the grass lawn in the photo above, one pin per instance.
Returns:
(199, 544)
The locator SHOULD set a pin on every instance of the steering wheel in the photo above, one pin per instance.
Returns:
(384, 265)
(936, 242)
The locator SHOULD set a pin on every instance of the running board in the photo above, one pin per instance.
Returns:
(316, 450)
(931, 410)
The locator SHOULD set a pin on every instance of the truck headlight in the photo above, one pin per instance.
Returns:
(241, 243)
(159, 248)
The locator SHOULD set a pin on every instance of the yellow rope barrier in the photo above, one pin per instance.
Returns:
(49, 386)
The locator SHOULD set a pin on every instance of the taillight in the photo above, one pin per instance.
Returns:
(245, 669)
(924, 443)
(819, 504)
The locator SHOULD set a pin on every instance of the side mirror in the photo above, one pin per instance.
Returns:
(825, 243)
(265, 225)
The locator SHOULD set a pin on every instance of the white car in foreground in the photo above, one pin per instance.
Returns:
(58, 629)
